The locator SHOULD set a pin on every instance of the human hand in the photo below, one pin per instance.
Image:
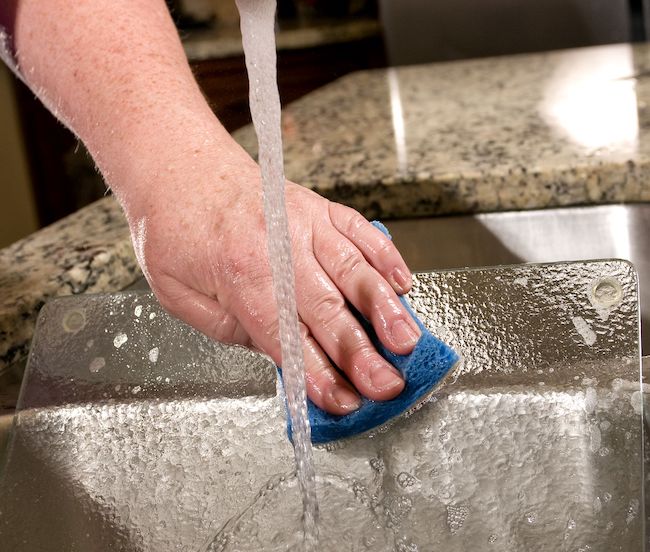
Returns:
(193, 199)
(204, 253)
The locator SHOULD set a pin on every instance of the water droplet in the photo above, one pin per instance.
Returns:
(404, 546)
(97, 364)
(636, 400)
(444, 435)
(571, 525)
(632, 511)
(138, 310)
(456, 516)
(591, 400)
(531, 517)
(405, 480)
(153, 355)
(136, 389)
(152, 316)
(597, 505)
(120, 339)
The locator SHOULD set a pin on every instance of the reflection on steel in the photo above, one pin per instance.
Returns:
(549, 235)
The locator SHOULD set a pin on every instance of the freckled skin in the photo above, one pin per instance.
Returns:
(114, 71)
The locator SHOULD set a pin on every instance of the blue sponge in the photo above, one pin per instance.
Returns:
(423, 369)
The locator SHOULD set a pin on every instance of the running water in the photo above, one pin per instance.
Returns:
(258, 36)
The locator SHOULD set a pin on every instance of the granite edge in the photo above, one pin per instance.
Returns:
(89, 251)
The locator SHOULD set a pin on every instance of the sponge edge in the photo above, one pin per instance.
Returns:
(423, 370)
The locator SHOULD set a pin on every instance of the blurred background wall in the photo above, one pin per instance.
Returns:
(17, 206)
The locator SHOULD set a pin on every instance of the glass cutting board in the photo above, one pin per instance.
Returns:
(134, 432)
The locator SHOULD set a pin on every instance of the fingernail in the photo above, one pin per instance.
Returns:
(404, 334)
(345, 398)
(401, 279)
(383, 376)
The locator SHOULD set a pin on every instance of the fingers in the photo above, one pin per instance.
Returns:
(326, 387)
(200, 311)
(367, 290)
(377, 248)
(322, 308)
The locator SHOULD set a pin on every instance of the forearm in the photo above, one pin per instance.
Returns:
(115, 72)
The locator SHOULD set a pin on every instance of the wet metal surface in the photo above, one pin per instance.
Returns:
(549, 235)
(134, 432)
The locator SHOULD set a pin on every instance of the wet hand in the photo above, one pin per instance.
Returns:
(203, 249)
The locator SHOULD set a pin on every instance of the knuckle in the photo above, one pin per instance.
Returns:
(168, 297)
(358, 349)
(345, 219)
(355, 223)
(246, 269)
(347, 265)
(386, 247)
(224, 329)
(166, 302)
(327, 307)
(271, 328)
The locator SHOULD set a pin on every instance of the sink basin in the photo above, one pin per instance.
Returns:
(549, 235)
(134, 432)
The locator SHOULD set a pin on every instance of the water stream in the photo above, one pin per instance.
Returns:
(258, 36)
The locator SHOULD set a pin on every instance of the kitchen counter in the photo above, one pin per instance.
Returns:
(518, 132)
(87, 252)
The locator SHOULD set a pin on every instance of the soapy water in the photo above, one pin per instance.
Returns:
(258, 38)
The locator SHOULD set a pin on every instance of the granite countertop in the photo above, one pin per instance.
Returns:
(225, 41)
(89, 251)
(519, 132)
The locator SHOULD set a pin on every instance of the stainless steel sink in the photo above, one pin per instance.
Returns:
(136, 433)
(549, 235)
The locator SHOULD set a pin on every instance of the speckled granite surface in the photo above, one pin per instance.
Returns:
(89, 251)
(531, 131)
(226, 41)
